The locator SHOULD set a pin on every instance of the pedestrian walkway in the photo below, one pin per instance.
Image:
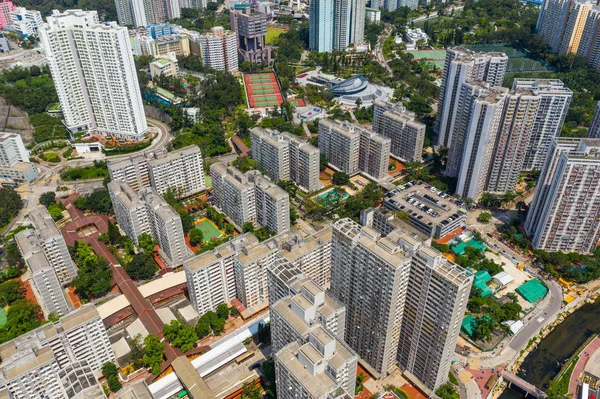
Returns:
(584, 356)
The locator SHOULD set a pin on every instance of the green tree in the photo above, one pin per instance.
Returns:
(323, 162)
(248, 227)
(13, 254)
(109, 369)
(47, 198)
(11, 291)
(147, 243)
(340, 178)
(218, 326)
(196, 237)
(179, 335)
(141, 267)
(113, 383)
(447, 391)
(23, 316)
(251, 390)
(153, 353)
(203, 327)
(55, 211)
(484, 217)
(223, 311)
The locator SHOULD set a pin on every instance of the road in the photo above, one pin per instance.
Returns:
(379, 48)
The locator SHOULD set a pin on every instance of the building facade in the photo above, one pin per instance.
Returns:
(272, 152)
(304, 163)
(219, 49)
(374, 154)
(340, 143)
(565, 212)
(94, 74)
(141, 13)
(251, 31)
(406, 133)
(25, 22)
(594, 130)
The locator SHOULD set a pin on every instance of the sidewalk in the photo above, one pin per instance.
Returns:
(584, 356)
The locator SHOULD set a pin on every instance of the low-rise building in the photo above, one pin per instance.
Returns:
(413, 36)
(164, 66)
(25, 22)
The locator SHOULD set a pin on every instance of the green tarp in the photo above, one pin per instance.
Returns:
(459, 249)
(532, 291)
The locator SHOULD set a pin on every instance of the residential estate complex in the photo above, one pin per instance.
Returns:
(405, 132)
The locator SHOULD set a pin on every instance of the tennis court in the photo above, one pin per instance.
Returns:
(262, 90)
(208, 229)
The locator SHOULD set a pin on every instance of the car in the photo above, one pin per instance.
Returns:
(255, 366)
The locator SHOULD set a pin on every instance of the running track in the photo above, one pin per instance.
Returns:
(141, 305)
(580, 366)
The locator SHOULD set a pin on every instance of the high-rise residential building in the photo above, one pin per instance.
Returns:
(165, 227)
(304, 163)
(438, 292)
(514, 134)
(272, 152)
(57, 360)
(479, 114)
(210, 277)
(94, 74)
(552, 21)
(565, 212)
(197, 4)
(272, 204)
(251, 31)
(53, 244)
(233, 194)
(130, 210)
(49, 291)
(320, 35)
(140, 13)
(550, 116)
(180, 171)
(464, 65)
(311, 255)
(219, 49)
(6, 6)
(589, 46)
(369, 275)
(319, 367)
(406, 133)
(374, 154)
(284, 156)
(25, 22)
(575, 26)
(12, 149)
(340, 143)
(335, 24)
(594, 130)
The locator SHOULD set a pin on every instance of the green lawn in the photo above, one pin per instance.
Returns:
(272, 34)
(50, 156)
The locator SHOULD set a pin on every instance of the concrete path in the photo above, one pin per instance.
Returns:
(584, 356)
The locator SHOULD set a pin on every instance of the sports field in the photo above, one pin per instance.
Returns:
(208, 229)
(262, 90)
(518, 61)
(272, 34)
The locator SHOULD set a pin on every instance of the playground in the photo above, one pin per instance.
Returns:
(208, 229)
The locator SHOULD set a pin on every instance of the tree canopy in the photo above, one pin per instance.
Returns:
(154, 351)
(179, 335)
(94, 275)
(141, 267)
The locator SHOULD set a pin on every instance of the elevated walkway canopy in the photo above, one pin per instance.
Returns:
(191, 380)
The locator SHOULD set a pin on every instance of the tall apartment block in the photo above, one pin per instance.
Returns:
(147, 212)
(284, 156)
(374, 154)
(341, 24)
(140, 13)
(552, 20)
(181, 171)
(340, 142)
(551, 114)
(369, 275)
(319, 367)
(464, 65)
(594, 130)
(589, 45)
(406, 133)
(45, 282)
(56, 360)
(565, 212)
(272, 152)
(478, 118)
(320, 35)
(311, 255)
(53, 244)
(94, 74)
(251, 30)
(575, 26)
(358, 9)
(250, 197)
(335, 24)
(6, 6)
(219, 49)
(438, 292)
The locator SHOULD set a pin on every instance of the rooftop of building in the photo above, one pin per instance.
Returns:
(267, 186)
(464, 53)
(428, 204)
(555, 86)
(175, 155)
(452, 273)
(43, 223)
(229, 248)
(35, 359)
(158, 204)
(78, 317)
(8, 136)
(273, 137)
(125, 194)
(404, 116)
(232, 175)
(399, 223)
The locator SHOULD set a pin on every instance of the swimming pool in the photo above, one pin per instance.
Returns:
(329, 197)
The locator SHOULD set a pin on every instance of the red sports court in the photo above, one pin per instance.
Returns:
(262, 90)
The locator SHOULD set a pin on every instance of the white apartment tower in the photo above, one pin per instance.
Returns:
(180, 170)
(250, 197)
(438, 292)
(549, 119)
(341, 24)
(94, 74)
(594, 130)
(369, 275)
(165, 227)
(374, 154)
(219, 49)
(45, 282)
(53, 244)
(304, 163)
(406, 133)
(340, 142)
(320, 36)
(478, 119)
(357, 21)
(552, 21)
(141, 13)
(464, 65)
(130, 211)
(12, 149)
(565, 212)
(272, 153)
